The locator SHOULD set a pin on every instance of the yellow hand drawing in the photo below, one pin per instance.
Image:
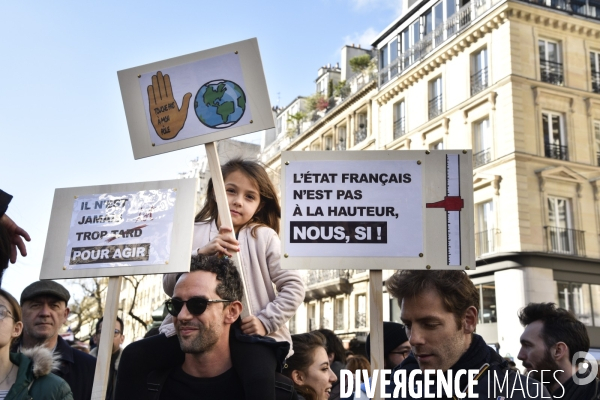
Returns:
(167, 118)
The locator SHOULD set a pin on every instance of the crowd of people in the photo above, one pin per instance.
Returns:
(205, 350)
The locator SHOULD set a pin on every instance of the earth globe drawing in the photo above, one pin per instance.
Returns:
(220, 104)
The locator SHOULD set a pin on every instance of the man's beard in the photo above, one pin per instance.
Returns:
(546, 364)
(205, 339)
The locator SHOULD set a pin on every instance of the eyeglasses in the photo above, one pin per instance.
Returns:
(5, 313)
(117, 332)
(403, 353)
(195, 305)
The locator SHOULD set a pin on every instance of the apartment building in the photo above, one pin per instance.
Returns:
(518, 82)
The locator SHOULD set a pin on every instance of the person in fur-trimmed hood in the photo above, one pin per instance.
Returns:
(26, 375)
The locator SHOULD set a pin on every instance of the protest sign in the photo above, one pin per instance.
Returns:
(116, 230)
(378, 210)
(195, 99)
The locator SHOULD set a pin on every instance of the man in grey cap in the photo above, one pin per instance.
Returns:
(45, 310)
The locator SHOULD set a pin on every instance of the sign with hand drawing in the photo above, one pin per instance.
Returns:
(195, 99)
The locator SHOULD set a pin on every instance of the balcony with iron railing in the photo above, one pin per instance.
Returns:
(479, 81)
(361, 320)
(329, 282)
(485, 242)
(339, 322)
(556, 151)
(435, 107)
(455, 24)
(583, 8)
(284, 139)
(565, 241)
(360, 135)
(596, 81)
(551, 72)
(399, 127)
(482, 157)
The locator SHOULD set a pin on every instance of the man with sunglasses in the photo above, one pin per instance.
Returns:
(116, 353)
(205, 308)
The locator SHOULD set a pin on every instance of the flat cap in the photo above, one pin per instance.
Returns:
(45, 288)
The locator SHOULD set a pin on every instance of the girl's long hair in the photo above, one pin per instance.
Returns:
(269, 210)
(304, 345)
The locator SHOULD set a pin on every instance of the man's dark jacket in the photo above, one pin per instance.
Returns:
(479, 354)
(572, 391)
(145, 365)
(77, 368)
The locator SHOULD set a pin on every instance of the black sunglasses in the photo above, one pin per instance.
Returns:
(195, 305)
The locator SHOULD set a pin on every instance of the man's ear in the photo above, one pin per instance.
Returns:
(560, 352)
(470, 320)
(233, 311)
(298, 377)
(66, 315)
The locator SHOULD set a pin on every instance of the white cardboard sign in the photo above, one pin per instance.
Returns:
(122, 229)
(377, 210)
(194, 99)
(354, 209)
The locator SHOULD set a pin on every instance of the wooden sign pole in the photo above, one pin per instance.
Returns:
(224, 214)
(376, 325)
(106, 338)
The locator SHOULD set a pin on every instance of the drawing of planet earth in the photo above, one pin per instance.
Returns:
(220, 104)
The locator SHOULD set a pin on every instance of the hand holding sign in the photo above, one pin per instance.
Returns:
(224, 243)
(167, 118)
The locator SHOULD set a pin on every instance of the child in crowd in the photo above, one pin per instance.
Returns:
(255, 213)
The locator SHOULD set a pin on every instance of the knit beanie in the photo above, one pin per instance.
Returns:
(393, 336)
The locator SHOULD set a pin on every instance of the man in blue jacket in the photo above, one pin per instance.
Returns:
(439, 310)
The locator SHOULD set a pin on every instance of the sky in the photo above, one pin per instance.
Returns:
(62, 122)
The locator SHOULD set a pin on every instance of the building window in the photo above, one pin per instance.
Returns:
(339, 314)
(326, 314)
(595, 68)
(316, 146)
(482, 145)
(487, 303)
(435, 97)
(341, 138)
(361, 132)
(361, 311)
(551, 68)
(399, 119)
(576, 297)
(292, 324)
(555, 141)
(479, 71)
(485, 232)
(329, 142)
(560, 235)
(597, 141)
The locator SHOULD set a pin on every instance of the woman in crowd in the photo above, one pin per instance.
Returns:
(309, 367)
(337, 359)
(27, 374)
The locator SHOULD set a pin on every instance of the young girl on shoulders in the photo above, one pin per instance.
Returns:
(274, 294)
